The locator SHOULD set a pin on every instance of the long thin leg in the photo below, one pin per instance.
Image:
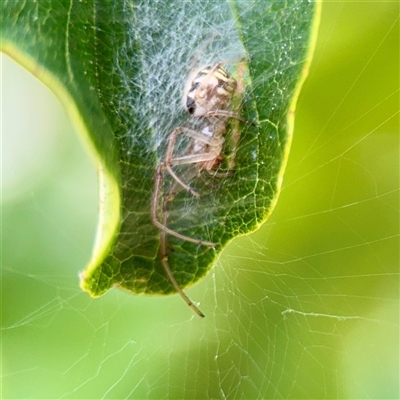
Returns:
(224, 113)
(158, 179)
(180, 182)
(170, 160)
(227, 114)
(164, 261)
(193, 158)
(190, 133)
(163, 238)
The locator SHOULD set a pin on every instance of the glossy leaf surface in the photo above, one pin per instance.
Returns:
(120, 69)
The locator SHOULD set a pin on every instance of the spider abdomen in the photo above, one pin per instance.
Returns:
(211, 88)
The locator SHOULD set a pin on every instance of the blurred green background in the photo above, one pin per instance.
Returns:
(307, 307)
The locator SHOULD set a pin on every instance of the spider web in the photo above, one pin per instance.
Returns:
(307, 307)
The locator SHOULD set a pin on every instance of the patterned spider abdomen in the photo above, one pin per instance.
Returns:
(211, 89)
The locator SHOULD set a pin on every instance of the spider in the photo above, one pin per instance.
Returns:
(208, 94)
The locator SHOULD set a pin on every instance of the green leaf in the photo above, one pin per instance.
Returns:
(120, 69)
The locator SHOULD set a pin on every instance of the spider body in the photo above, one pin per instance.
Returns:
(210, 88)
(207, 96)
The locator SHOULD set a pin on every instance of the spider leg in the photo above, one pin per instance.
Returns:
(170, 160)
(192, 134)
(227, 114)
(155, 202)
(165, 264)
(163, 237)
(180, 182)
